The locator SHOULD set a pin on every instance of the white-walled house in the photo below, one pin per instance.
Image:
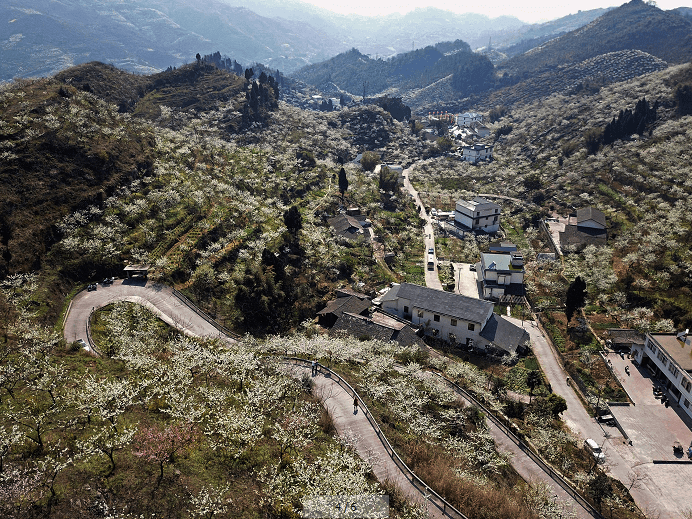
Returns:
(669, 357)
(467, 118)
(501, 274)
(475, 153)
(478, 214)
(458, 319)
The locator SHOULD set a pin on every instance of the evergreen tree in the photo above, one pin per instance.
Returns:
(293, 220)
(576, 297)
(343, 182)
(533, 380)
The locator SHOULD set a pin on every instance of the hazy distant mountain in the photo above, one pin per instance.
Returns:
(44, 36)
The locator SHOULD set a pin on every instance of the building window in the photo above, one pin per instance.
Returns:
(662, 358)
(405, 309)
(452, 338)
(495, 219)
(687, 385)
(436, 318)
(673, 370)
(471, 326)
(453, 322)
(420, 314)
(687, 403)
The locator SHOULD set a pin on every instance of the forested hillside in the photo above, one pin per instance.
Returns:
(358, 74)
(634, 25)
(71, 142)
(588, 149)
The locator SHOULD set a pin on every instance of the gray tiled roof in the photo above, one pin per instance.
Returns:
(590, 213)
(504, 334)
(345, 304)
(346, 226)
(574, 235)
(447, 303)
(364, 327)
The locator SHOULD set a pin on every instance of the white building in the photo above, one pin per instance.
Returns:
(458, 319)
(467, 118)
(501, 274)
(477, 152)
(478, 214)
(669, 357)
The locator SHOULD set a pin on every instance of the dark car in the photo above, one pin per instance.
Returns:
(107, 281)
(472, 267)
(91, 287)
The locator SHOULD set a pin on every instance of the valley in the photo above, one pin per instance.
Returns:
(333, 215)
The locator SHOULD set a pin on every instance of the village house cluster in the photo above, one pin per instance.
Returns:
(466, 130)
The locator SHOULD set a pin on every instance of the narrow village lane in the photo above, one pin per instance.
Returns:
(432, 280)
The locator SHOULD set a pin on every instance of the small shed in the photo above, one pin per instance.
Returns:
(138, 271)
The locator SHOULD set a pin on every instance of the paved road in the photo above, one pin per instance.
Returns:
(466, 282)
(358, 429)
(621, 458)
(653, 428)
(432, 280)
(160, 299)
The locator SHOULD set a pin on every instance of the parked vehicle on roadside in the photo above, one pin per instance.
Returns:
(595, 449)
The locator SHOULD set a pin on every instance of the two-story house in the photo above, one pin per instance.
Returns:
(475, 153)
(467, 118)
(478, 214)
(458, 319)
(501, 273)
(669, 357)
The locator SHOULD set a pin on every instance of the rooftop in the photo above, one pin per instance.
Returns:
(504, 334)
(352, 304)
(498, 262)
(375, 328)
(625, 336)
(445, 303)
(346, 226)
(589, 213)
(477, 201)
(679, 350)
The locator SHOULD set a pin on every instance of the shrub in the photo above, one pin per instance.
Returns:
(369, 160)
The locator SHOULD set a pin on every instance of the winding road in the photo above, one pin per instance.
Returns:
(160, 299)
(174, 310)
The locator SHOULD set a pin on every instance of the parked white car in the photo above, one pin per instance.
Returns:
(594, 448)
